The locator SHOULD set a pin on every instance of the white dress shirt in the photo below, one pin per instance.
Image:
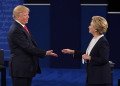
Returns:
(19, 23)
(91, 45)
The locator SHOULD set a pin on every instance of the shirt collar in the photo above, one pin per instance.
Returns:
(19, 23)
(99, 37)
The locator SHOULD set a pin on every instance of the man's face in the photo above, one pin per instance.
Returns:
(23, 18)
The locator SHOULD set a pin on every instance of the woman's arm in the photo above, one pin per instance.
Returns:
(76, 54)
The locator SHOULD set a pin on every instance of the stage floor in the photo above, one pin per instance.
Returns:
(61, 77)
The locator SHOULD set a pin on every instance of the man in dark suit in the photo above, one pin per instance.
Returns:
(96, 56)
(24, 53)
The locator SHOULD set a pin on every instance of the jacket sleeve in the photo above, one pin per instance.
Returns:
(104, 55)
(78, 54)
(19, 38)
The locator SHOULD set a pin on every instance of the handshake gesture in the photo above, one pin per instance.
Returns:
(50, 52)
(67, 51)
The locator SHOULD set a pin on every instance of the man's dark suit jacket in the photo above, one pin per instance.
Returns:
(98, 70)
(24, 53)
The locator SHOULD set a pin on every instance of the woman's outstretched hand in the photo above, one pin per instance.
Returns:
(68, 51)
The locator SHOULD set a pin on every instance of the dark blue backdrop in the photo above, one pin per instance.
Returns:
(39, 26)
(6, 9)
(63, 24)
(113, 36)
(65, 31)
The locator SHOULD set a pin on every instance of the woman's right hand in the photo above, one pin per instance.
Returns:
(68, 51)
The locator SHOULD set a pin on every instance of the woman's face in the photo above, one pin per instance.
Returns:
(91, 28)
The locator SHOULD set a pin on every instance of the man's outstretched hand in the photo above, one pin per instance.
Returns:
(50, 53)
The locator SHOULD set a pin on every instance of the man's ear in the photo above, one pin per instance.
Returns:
(17, 17)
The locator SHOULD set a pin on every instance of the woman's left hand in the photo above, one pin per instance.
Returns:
(84, 56)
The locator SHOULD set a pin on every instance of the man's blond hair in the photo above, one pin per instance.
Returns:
(18, 10)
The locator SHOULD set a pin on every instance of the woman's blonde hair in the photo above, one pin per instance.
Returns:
(100, 24)
(18, 10)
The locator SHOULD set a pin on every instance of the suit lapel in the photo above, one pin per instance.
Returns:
(96, 45)
(29, 35)
(33, 40)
